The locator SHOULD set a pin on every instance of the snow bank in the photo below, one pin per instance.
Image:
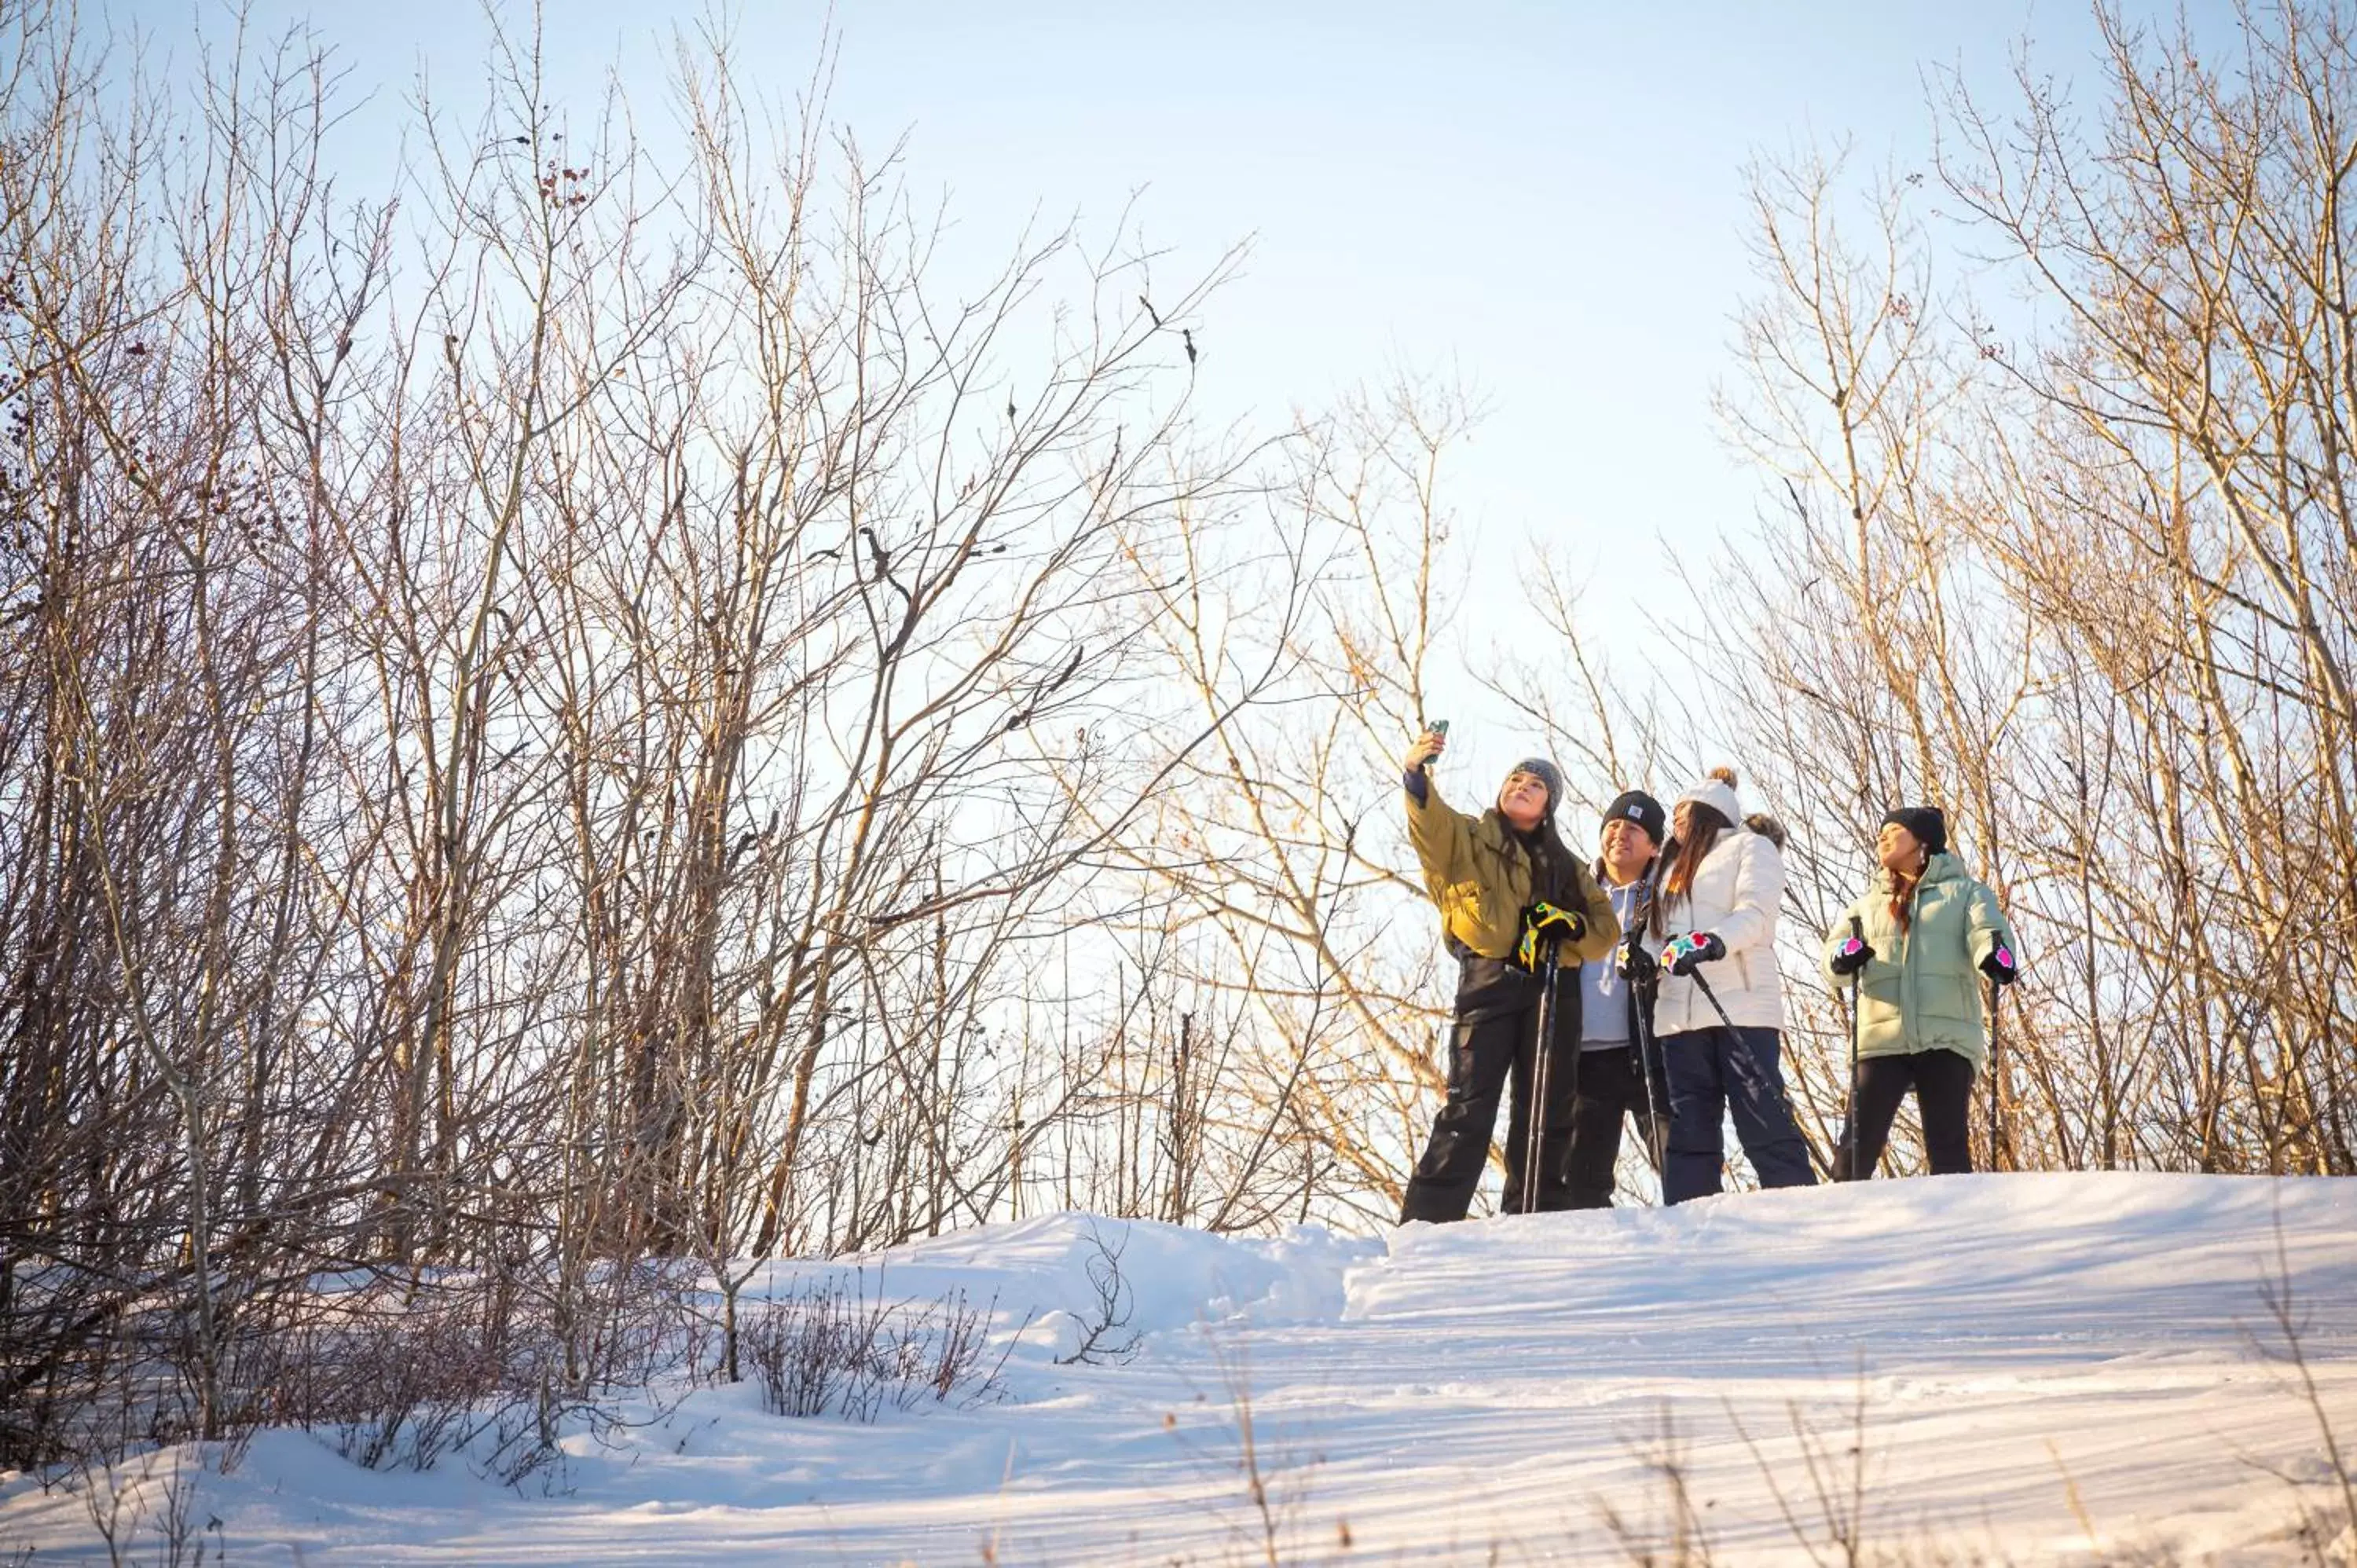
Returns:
(2075, 1369)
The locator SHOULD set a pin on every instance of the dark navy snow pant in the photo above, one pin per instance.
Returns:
(1712, 1072)
(1483, 1058)
(1943, 1082)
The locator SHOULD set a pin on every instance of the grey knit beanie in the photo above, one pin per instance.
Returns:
(1547, 773)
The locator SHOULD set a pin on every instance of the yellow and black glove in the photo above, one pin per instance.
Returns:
(1542, 926)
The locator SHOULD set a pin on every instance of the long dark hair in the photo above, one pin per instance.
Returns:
(1683, 856)
(1555, 869)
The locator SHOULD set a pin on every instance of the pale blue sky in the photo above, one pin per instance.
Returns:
(1543, 200)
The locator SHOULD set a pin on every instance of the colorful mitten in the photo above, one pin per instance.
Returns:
(1851, 956)
(1689, 952)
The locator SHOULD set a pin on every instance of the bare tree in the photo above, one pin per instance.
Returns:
(547, 731)
(2091, 591)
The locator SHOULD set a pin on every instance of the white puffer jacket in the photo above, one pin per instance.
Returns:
(1736, 892)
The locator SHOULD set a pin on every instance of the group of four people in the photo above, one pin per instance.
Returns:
(1669, 1002)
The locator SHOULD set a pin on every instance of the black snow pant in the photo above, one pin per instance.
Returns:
(1483, 1057)
(1711, 1072)
(1943, 1082)
(1611, 1085)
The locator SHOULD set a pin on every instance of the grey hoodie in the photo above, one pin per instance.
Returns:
(1604, 1020)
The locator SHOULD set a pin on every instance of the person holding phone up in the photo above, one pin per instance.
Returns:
(1488, 875)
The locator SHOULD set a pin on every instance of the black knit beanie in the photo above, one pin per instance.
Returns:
(1636, 806)
(1929, 828)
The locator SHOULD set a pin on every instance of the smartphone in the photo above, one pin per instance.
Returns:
(1440, 728)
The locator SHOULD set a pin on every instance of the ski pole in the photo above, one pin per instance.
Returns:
(1712, 997)
(1648, 1048)
(1995, 1125)
(1571, 1100)
(1856, 980)
(1741, 1045)
(1536, 1134)
(1648, 1045)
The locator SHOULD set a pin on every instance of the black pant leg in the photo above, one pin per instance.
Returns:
(1566, 1069)
(1882, 1083)
(1943, 1093)
(1555, 1135)
(1610, 1087)
(1518, 1116)
(1480, 1055)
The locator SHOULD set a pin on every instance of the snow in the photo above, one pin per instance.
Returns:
(2048, 1369)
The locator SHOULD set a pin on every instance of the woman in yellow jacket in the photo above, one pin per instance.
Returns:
(1485, 874)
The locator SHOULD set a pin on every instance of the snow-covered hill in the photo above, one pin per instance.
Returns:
(2026, 1369)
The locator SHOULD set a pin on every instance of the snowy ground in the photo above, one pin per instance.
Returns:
(2033, 1368)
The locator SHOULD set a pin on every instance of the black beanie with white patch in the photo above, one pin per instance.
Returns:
(1636, 806)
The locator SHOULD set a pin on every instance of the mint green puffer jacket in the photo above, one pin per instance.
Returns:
(1921, 991)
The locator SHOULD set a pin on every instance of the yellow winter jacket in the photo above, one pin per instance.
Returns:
(1481, 880)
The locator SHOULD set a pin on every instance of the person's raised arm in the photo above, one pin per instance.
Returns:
(1418, 763)
(1441, 837)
